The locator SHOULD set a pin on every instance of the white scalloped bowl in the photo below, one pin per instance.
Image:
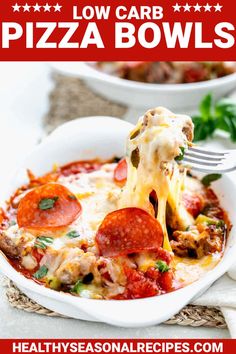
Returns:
(104, 137)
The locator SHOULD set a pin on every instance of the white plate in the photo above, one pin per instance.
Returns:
(178, 97)
(104, 137)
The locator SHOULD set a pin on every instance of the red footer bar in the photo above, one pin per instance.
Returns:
(9, 346)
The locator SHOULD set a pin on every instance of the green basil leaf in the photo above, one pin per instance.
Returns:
(40, 245)
(205, 107)
(200, 131)
(222, 116)
(208, 179)
(162, 266)
(223, 124)
(41, 273)
(232, 125)
(43, 241)
(73, 234)
(225, 106)
(47, 203)
(226, 117)
(203, 130)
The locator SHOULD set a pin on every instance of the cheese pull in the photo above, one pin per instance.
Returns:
(153, 149)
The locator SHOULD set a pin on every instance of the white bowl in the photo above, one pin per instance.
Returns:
(178, 97)
(104, 137)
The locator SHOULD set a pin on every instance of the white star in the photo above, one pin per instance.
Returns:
(37, 7)
(47, 8)
(16, 7)
(176, 7)
(57, 8)
(197, 7)
(187, 7)
(207, 7)
(26, 7)
(218, 7)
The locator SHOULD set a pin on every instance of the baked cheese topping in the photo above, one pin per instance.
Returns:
(152, 147)
(98, 195)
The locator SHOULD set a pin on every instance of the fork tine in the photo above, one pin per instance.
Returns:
(206, 152)
(190, 153)
(210, 161)
(197, 161)
(204, 168)
(209, 169)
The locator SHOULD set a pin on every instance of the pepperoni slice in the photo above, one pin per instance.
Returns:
(120, 172)
(128, 230)
(80, 167)
(49, 206)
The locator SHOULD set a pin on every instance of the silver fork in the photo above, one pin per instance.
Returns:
(203, 160)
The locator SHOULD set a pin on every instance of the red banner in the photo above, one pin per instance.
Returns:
(169, 346)
(65, 30)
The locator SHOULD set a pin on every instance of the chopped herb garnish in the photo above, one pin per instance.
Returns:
(12, 223)
(40, 245)
(218, 224)
(73, 234)
(43, 241)
(47, 203)
(162, 266)
(208, 179)
(135, 157)
(71, 196)
(78, 287)
(41, 273)
(181, 155)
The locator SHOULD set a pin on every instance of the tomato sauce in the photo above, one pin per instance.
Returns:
(27, 273)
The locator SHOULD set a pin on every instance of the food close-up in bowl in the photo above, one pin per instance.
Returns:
(127, 227)
(167, 72)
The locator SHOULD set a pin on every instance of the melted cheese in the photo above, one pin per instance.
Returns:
(98, 195)
(189, 270)
(151, 151)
